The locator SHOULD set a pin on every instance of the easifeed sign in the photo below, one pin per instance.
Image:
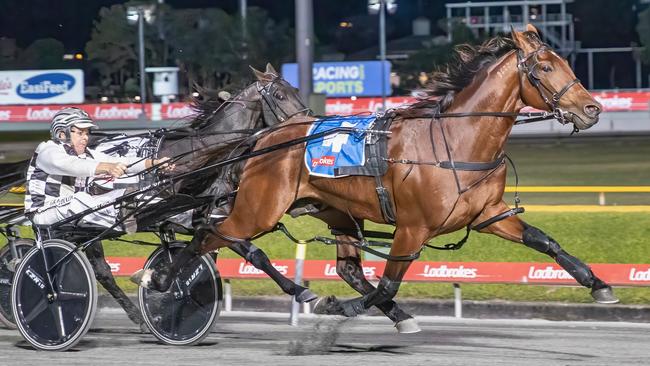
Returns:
(41, 86)
(344, 79)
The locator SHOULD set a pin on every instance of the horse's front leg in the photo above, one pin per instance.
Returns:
(514, 229)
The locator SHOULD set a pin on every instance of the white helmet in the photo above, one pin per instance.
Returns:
(68, 117)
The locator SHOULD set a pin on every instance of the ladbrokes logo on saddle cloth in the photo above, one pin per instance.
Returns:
(324, 155)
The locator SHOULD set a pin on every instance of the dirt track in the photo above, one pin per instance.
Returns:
(259, 338)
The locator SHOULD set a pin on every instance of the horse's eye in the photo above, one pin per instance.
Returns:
(547, 68)
(279, 96)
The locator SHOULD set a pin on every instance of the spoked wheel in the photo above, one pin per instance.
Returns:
(54, 323)
(184, 314)
(8, 266)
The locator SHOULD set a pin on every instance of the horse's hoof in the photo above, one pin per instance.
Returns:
(142, 278)
(306, 296)
(352, 308)
(604, 295)
(13, 264)
(144, 329)
(407, 326)
(327, 305)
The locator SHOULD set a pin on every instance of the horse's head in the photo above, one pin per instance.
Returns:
(548, 83)
(266, 102)
(280, 101)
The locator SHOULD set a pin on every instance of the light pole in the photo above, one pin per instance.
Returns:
(140, 14)
(381, 6)
(305, 48)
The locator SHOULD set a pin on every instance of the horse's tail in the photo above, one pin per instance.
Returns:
(12, 175)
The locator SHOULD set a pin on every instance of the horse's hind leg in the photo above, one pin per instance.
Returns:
(516, 230)
(253, 213)
(261, 261)
(350, 269)
(407, 242)
(95, 255)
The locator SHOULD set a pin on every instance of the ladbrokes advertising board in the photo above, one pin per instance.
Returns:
(41, 87)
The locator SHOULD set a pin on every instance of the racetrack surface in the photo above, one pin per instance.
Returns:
(248, 338)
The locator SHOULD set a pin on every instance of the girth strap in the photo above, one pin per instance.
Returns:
(379, 148)
(470, 166)
(376, 164)
(384, 201)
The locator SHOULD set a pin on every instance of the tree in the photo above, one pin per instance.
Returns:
(209, 45)
(267, 42)
(112, 49)
(46, 53)
(433, 54)
(643, 29)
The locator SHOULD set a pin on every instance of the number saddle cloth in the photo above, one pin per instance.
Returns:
(359, 152)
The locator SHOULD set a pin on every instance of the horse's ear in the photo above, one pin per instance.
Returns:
(520, 40)
(271, 70)
(258, 74)
(531, 28)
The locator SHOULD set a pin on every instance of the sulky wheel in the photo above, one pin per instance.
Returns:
(54, 318)
(184, 314)
(8, 266)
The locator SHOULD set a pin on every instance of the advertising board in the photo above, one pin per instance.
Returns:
(41, 87)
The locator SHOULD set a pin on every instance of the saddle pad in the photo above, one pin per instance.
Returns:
(324, 155)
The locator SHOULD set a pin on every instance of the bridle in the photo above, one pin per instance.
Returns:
(266, 91)
(528, 65)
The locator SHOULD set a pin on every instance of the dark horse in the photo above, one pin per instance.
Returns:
(446, 171)
(266, 102)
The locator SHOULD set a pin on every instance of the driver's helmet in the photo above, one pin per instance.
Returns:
(64, 119)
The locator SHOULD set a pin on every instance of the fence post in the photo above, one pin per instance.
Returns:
(227, 296)
(601, 198)
(458, 302)
(306, 306)
(301, 250)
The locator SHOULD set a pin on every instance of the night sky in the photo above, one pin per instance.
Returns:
(71, 21)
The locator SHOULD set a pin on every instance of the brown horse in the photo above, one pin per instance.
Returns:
(465, 119)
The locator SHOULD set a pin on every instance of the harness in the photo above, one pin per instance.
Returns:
(376, 163)
(267, 91)
(527, 65)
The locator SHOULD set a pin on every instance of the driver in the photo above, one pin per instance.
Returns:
(60, 170)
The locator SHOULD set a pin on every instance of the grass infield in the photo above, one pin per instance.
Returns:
(595, 237)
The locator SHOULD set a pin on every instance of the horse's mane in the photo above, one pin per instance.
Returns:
(204, 109)
(467, 61)
(197, 183)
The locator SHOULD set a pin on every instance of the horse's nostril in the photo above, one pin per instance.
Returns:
(592, 110)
